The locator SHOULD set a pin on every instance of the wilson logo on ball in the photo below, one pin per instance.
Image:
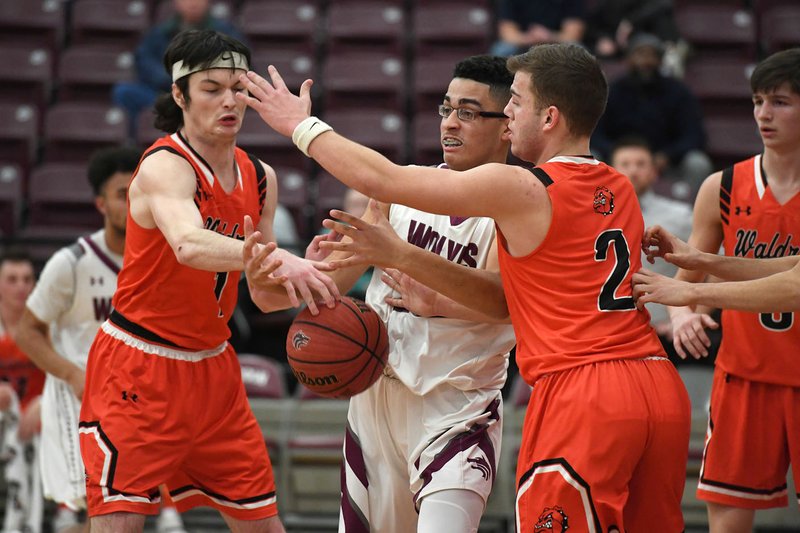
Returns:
(300, 340)
(305, 379)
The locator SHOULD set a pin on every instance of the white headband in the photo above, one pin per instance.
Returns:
(231, 60)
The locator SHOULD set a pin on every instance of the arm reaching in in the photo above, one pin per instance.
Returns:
(658, 242)
(772, 294)
(376, 243)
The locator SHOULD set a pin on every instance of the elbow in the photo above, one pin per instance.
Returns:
(186, 253)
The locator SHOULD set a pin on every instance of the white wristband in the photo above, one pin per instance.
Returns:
(307, 131)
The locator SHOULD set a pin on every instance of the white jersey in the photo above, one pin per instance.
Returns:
(73, 295)
(427, 352)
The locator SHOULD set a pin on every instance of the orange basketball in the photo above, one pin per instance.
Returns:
(341, 351)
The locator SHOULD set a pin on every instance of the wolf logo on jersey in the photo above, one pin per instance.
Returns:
(603, 201)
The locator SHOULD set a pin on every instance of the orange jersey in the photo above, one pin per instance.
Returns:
(758, 346)
(17, 370)
(571, 299)
(158, 298)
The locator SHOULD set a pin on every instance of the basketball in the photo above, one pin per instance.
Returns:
(341, 351)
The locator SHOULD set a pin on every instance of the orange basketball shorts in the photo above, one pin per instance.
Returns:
(153, 415)
(753, 435)
(604, 448)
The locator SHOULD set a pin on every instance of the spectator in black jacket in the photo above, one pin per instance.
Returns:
(658, 108)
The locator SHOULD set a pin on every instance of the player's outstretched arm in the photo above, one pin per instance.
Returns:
(376, 243)
(658, 242)
(772, 294)
(491, 190)
(33, 337)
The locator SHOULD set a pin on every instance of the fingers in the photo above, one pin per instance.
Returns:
(322, 266)
(250, 242)
(277, 79)
(709, 322)
(348, 219)
(257, 86)
(248, 226)
(305, 89)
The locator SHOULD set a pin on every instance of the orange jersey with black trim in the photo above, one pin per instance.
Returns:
(758, 346)
(177, 305)
(17, 370)
(571, 299)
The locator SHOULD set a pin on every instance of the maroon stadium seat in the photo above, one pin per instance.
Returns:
(26, 74)
(443, 28)
(366, 25)
(286, 24)
(718, 30)
(19, 129)
(116, 22)
(11, 198)
(33, 22)
(362, 79)
(73, 130)
(88, 72)
(60, 196)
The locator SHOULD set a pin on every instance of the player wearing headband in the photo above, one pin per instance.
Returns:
(164, 400)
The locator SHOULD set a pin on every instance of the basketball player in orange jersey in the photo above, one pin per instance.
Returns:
(164, 400)
(773, 284)
(606, 433)
(753, 210)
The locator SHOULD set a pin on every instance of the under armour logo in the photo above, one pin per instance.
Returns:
(133, 396)
(746, 210)
(93, 280)
(482, 465)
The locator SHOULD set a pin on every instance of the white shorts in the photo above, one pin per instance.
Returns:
(63, 474)
(400, 447)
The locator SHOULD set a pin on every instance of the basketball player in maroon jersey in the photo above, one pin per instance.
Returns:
(607, 426)
(765, 285)
(753, 210)
(164, 400)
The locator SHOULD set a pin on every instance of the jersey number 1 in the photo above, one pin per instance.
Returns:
(607, 301)
(220, 280)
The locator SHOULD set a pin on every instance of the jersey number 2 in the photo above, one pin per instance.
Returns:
(607, 301)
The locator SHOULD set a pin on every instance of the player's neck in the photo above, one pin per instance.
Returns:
(569, 147)
(114, 239)
(782, 167)
(219, 154)
(9, 317)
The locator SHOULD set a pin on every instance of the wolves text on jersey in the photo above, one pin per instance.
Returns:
(220, 226)
(425, 237)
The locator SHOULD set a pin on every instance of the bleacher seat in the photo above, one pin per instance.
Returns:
(19, 130)
(11, 198)
(88, 72)
(381, 130)
(718, 30)
(426, 138)
(146, 132)
(731, 138)
(33, 22)
(430, 78)
(117, 23)
(313, 456)
(294, 66)
(43, 241)
(780, 28)
(294, 195)
(365, 25)
(721, 84)
(285, 24)
(73, 130)
(329, 195)
(59, 196)
(26, 74)
(449, 28)
(362, 79)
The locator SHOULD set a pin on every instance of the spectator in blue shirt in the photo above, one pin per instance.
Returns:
(524, 23)
(151, 77)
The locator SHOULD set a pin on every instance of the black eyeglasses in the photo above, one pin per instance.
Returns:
(467, 115)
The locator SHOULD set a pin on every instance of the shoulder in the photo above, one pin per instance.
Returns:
(156, 166)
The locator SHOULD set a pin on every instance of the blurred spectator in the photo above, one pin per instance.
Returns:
(660, 109)
(611, 23)
(21, 384)
(632, 156)
(152, 77)
(524, 23)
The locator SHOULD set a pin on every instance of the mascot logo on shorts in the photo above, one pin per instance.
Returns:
(603, 201)
(300, 340)
(481, 465)
(552, 519)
